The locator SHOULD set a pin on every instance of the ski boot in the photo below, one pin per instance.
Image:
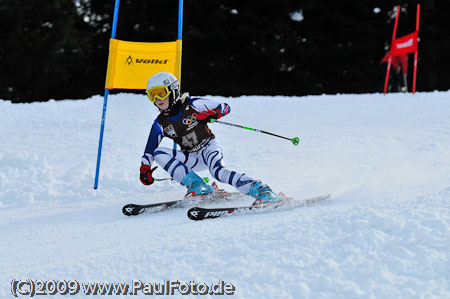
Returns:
(196, 186)
(262, 193)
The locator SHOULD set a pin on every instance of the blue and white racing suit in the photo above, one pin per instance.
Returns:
(196, 154)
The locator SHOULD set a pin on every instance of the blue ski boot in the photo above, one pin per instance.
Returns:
(262, 193)
(195, 185)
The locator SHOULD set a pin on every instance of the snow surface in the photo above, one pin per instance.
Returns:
(384, 234)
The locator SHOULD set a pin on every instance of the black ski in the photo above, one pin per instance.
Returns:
(220, 195)
(197, 213)
(133, 209)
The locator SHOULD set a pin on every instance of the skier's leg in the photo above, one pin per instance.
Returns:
(177, 163)
(213, 157)
(181, 165)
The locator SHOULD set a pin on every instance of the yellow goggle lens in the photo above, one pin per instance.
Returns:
(158, 92)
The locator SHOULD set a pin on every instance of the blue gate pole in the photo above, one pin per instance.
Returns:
(105, 101)
(180, 36)
(180, 19)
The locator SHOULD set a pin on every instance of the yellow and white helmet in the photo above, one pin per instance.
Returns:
(163, 86)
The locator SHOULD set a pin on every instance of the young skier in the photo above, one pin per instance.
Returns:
(184, 119)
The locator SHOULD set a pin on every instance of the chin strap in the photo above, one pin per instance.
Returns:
(182, 99)
(184, 96)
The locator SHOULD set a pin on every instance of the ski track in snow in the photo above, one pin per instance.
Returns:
(385, 233)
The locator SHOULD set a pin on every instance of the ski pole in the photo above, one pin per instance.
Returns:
(294, 140)
(206, 179)
(161, 179)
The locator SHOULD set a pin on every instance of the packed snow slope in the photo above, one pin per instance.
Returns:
(385, 232)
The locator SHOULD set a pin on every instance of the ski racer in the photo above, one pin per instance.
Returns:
(185, 120)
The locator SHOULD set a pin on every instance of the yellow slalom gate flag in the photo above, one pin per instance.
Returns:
(131, 64)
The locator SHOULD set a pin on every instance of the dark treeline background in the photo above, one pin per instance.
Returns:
(58, 49)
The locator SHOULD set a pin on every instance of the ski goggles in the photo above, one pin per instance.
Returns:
(160, 92)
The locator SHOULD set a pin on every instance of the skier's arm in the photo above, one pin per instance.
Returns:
(154, 139)
(209, 110)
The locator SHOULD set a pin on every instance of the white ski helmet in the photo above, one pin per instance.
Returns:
(162, 86)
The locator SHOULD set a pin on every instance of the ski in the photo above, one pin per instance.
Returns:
(134, 209)
(198, 213)
(188, 201)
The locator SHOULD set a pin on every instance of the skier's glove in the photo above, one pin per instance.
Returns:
(146, 175)
(209, 116)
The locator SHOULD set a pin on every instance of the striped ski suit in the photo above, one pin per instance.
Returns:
(197, 154)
